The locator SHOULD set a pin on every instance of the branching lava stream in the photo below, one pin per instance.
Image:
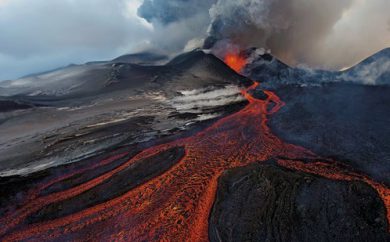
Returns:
(175, 206)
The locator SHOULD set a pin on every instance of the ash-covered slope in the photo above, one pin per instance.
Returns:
(273, 73)
(197, 66)
(143, 58)
(76, 112)
(346, 121)
(375, 70)
(125, 72)
(263, 66)
(87, 79)
(335, 114)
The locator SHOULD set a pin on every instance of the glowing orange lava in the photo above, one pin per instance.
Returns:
(175, 206)
(235, 61)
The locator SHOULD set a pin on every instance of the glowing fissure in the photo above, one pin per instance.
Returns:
(175, 205)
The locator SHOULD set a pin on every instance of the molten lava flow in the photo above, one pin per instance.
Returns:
(235, 61)
(175, 205)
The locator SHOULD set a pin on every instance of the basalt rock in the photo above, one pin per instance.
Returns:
(269, 203)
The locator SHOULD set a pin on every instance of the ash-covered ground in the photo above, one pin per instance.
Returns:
(335, 114)
(77, 112)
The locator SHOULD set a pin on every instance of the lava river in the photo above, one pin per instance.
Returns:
(175, 205)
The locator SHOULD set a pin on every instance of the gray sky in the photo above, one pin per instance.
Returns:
(40, 35)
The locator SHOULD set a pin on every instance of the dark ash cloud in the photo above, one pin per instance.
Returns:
(324, 34)
(292, 30)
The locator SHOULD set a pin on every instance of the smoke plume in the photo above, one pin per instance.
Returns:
(328, 34)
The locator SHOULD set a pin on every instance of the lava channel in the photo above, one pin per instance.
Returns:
(175, 205)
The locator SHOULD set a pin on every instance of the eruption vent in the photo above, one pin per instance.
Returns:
(235, 61)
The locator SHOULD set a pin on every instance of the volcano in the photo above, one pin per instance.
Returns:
(274, 74)
(141, 148)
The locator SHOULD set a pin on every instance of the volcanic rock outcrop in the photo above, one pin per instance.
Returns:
(269, 203)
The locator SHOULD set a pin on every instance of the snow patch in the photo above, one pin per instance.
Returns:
(206, 98)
